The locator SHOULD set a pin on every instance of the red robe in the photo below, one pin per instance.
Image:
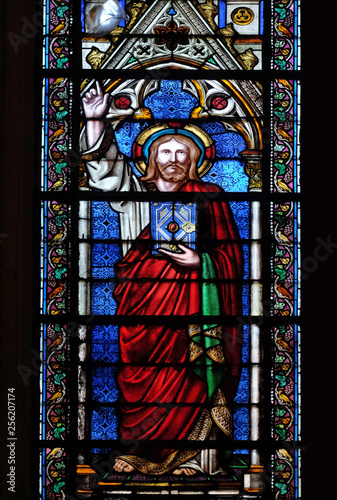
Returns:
(155, 368)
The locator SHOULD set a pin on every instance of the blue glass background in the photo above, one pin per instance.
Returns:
(102, 301)
(104, 256)
(104, 344)
(104, 387)
(104, 221)
(241, 420)
(104, 423)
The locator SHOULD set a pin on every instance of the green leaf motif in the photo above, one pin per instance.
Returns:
(282, 379)
(59, 431)
(59, 272)
(279, 359)
(281, 272)
(63, 95)
(61, 10)
(281, 64)
(278, 147)
(60, 115)
(59, 166)
(279, 252)
(279, 466)
(281, 218)
(60, 465)
(59, 219)
(280, 167)
(63, 146)
(281, 432)
(58, 377)
(279, 112)
(282, 11)
(60, 304)
(61, 251)
(58, 486)
(279, 305)
(279, 94)
(62, 61)
(282, 487)
(63, 40)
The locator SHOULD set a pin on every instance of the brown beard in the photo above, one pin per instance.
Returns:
(173, 177)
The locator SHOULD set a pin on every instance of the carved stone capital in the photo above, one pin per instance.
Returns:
(253, 168)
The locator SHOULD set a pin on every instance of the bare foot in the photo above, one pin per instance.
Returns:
(184, 471)
(122, 466)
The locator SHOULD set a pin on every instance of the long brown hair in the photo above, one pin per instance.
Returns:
(152, 172)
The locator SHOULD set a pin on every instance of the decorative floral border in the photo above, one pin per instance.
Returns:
(286, 42)
(53, 463)
(56, 140)
(55, 258)
(285, 383)
(285, 258)
(54, 379)
(285, 472)
(286, 412)
(286, 126)
(57, 50)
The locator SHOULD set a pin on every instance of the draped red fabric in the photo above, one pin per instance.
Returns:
(155, 381)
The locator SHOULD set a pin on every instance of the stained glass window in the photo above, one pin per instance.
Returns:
(170, 249)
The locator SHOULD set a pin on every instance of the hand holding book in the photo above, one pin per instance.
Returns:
(187, 258)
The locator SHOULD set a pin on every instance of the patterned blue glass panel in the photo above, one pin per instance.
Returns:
(104, 256)
(245, 299)
(241, 211)
(104, 388)
(241, 424)
(229, 175)
(105, 224)
(104, 344)
(245, 251)
(243, 389)
(171, 101)
(228, 170)
(126, 135)
(245, 344)
(102, 301)
(228, 144)
(104, 423)
(214, 128)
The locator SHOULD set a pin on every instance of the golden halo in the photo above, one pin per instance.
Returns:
(144, 140)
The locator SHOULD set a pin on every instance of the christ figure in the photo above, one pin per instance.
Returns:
(177, 381)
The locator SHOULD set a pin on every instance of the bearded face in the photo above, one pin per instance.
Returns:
(173, 161)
